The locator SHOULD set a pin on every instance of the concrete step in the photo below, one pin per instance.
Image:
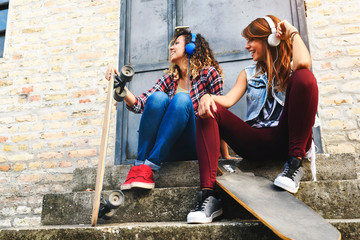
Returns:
(158, 205)
(237, 230)
(186, 174)
(172, 174)
(349, 228)
(329, 167)
(331, 199)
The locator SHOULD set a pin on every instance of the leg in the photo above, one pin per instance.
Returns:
(140, 175)
(243, 139)
(151, 118)
(177, 124)
(246, 141)
(298, 117)
(301, 106)
(185, 141)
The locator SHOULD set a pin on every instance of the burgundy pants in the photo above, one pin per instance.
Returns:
(292, 137)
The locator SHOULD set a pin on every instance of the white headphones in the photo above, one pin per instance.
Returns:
(272, 39)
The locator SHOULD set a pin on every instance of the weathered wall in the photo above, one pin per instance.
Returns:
(52, 92)
(52, 95)
(334, 29)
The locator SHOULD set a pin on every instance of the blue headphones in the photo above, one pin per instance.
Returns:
(190, 47)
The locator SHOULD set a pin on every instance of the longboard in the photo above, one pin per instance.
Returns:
(102, 154)
(285, 215)
(106, 208)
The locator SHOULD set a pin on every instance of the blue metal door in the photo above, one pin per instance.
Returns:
(146, 30)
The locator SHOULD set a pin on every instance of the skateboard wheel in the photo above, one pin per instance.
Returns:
(127, 73)
(119, 96)
(109, 214)
(115, 199)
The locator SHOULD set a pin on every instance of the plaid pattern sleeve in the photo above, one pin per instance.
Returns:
(209, 81)
(163, 84)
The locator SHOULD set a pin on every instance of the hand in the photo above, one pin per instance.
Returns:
(108, 72)
(284, 30)
(205, 105)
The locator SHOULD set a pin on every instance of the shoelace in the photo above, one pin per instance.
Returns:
(290, 173)
(204, 203)
(197, 206)
(201, 205)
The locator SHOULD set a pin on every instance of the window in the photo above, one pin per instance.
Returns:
(4, 6)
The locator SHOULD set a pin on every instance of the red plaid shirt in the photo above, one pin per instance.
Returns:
(208, 81)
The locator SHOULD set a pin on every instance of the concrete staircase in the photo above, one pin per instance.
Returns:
(161, 213)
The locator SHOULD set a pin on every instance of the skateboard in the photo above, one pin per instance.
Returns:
(285, 215)
(126, 74)
(106, 208)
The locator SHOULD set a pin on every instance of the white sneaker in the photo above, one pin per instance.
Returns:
(290, 178)
(205, 210)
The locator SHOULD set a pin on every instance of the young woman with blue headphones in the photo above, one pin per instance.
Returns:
(282, 97)
(169, 108)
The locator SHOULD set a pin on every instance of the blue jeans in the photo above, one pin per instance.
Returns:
(167, 130)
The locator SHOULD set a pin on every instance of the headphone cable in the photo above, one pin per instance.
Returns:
(188, 76)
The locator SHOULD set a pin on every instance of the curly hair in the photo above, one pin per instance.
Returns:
(202, 57)
(278, 59)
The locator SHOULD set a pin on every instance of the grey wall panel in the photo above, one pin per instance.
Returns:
(149, 32)
(222, 21)
(231, 72)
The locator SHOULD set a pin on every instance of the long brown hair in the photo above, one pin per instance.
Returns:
(281, 55)
(202, 57)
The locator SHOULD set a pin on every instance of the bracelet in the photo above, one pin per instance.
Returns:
(292, 35)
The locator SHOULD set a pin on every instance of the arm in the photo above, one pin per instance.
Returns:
(224, 149)
(301, 55)
(137, 104)
(233, 96)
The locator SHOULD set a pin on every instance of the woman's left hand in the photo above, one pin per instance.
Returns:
(108, 72)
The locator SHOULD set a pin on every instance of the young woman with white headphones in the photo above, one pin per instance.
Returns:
(169, 108)
(282, 97)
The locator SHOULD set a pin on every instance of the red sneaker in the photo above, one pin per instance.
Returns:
(144, 178)
(132, 174)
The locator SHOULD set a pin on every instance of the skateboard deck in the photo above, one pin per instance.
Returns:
(101, 207)
(285, 215)
(102, 154)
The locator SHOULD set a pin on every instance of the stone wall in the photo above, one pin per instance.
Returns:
(334, 30)
(52, 92)
(52, 98)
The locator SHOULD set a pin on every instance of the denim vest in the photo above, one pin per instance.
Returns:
(256, 93)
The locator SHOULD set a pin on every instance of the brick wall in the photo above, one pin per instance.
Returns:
(52, 92)
(334, 29)
(52, 98)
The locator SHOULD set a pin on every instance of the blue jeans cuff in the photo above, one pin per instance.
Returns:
(138, 162)
(153, 166)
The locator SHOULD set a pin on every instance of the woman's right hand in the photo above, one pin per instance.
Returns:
(108, 72)
(206, 103)
(284, 30)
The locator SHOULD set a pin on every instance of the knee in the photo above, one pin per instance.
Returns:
(157, 100)
(181, 101)
(304, 78)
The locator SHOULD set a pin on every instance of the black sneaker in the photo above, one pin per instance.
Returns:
(290, 178)
(207, 208)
